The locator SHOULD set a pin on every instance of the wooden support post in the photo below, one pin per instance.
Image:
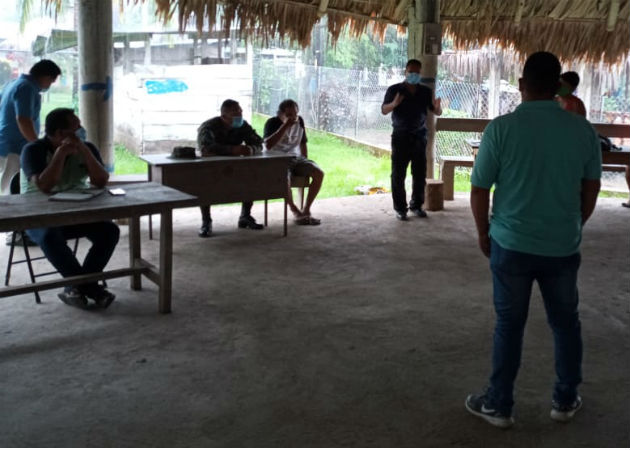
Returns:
(424, 12)
(147, 50)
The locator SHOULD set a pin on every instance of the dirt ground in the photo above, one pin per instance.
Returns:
(364, 331)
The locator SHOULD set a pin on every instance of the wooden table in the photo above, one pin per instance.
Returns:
(225, 179)
(619, 158)
(35, 210)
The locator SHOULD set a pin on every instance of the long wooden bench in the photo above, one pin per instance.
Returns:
(448, 163)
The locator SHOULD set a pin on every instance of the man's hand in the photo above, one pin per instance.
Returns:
(386, 108)
(289, 121)
(398, 99)
(241, 150)
(437, 106)
(484, 244)
(67, 148)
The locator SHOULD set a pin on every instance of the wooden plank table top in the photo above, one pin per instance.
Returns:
(164, 159)
(35, 210)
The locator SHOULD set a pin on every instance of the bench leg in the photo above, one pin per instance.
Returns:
(447, 173)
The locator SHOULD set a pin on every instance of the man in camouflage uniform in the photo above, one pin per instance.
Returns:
(228, 135)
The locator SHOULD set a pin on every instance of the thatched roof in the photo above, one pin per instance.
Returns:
(592, 30)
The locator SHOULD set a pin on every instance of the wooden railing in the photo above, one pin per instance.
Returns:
(611, 130)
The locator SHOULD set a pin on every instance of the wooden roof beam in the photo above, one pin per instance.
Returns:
(323, 5)
(519, 12)
(613, 13)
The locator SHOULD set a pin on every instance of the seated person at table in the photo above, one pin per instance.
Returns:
(569, 82)
(286, 133)
(228, 135)
(61, 161)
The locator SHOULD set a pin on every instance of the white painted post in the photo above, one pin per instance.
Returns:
(96, 74)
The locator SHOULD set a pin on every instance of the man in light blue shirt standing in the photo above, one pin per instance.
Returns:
(545, 165)
(20, 107)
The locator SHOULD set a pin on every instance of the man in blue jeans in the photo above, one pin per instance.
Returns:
(545, 165)
(57, 162)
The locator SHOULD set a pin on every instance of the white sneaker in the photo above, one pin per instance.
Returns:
(564, 413)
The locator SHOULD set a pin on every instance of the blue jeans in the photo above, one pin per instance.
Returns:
(513, 274)
(52, 241)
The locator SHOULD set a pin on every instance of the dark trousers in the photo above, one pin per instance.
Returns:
(246, 210)
(513, 274)
(103, 236)
(408, 147)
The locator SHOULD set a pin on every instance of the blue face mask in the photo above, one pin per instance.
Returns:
(413, 78)
(237, 122)
(81, 134)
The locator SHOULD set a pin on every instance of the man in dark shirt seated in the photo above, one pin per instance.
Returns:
(228, 135)
(58, 162)
(409, 102)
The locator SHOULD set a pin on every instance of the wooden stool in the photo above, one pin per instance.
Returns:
(434, 195)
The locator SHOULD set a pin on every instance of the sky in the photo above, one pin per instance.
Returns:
(134, 18)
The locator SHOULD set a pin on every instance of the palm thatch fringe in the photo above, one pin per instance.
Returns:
(572, 29)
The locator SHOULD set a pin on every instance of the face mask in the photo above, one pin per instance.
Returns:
(81, 134)
(413, 78)
(237, 122)
(564, 90)
(44, 90)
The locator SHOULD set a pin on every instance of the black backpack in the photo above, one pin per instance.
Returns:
(607, 145)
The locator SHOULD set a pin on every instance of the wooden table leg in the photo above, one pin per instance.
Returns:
(134, 251)
(265, 212)
(166, 261)
(285, 218)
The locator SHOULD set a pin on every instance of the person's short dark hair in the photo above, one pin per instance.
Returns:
(413, 62)
(571, 78)
(541, 72)
(57, 119)
(227, 105)
(45, 68)
(286, 104)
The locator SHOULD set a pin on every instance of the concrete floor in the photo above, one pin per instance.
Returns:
(364, 331)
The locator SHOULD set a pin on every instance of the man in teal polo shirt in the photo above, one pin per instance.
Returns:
(545, 165)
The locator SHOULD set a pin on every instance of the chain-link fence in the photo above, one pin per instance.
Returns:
(348, 101)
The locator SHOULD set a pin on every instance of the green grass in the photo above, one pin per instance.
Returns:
(346, 166)
(54, 99)
(126, 163)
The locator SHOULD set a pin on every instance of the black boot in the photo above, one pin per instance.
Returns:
(206, 229)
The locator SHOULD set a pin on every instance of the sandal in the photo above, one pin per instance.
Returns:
(307, 220)
(626, 204)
